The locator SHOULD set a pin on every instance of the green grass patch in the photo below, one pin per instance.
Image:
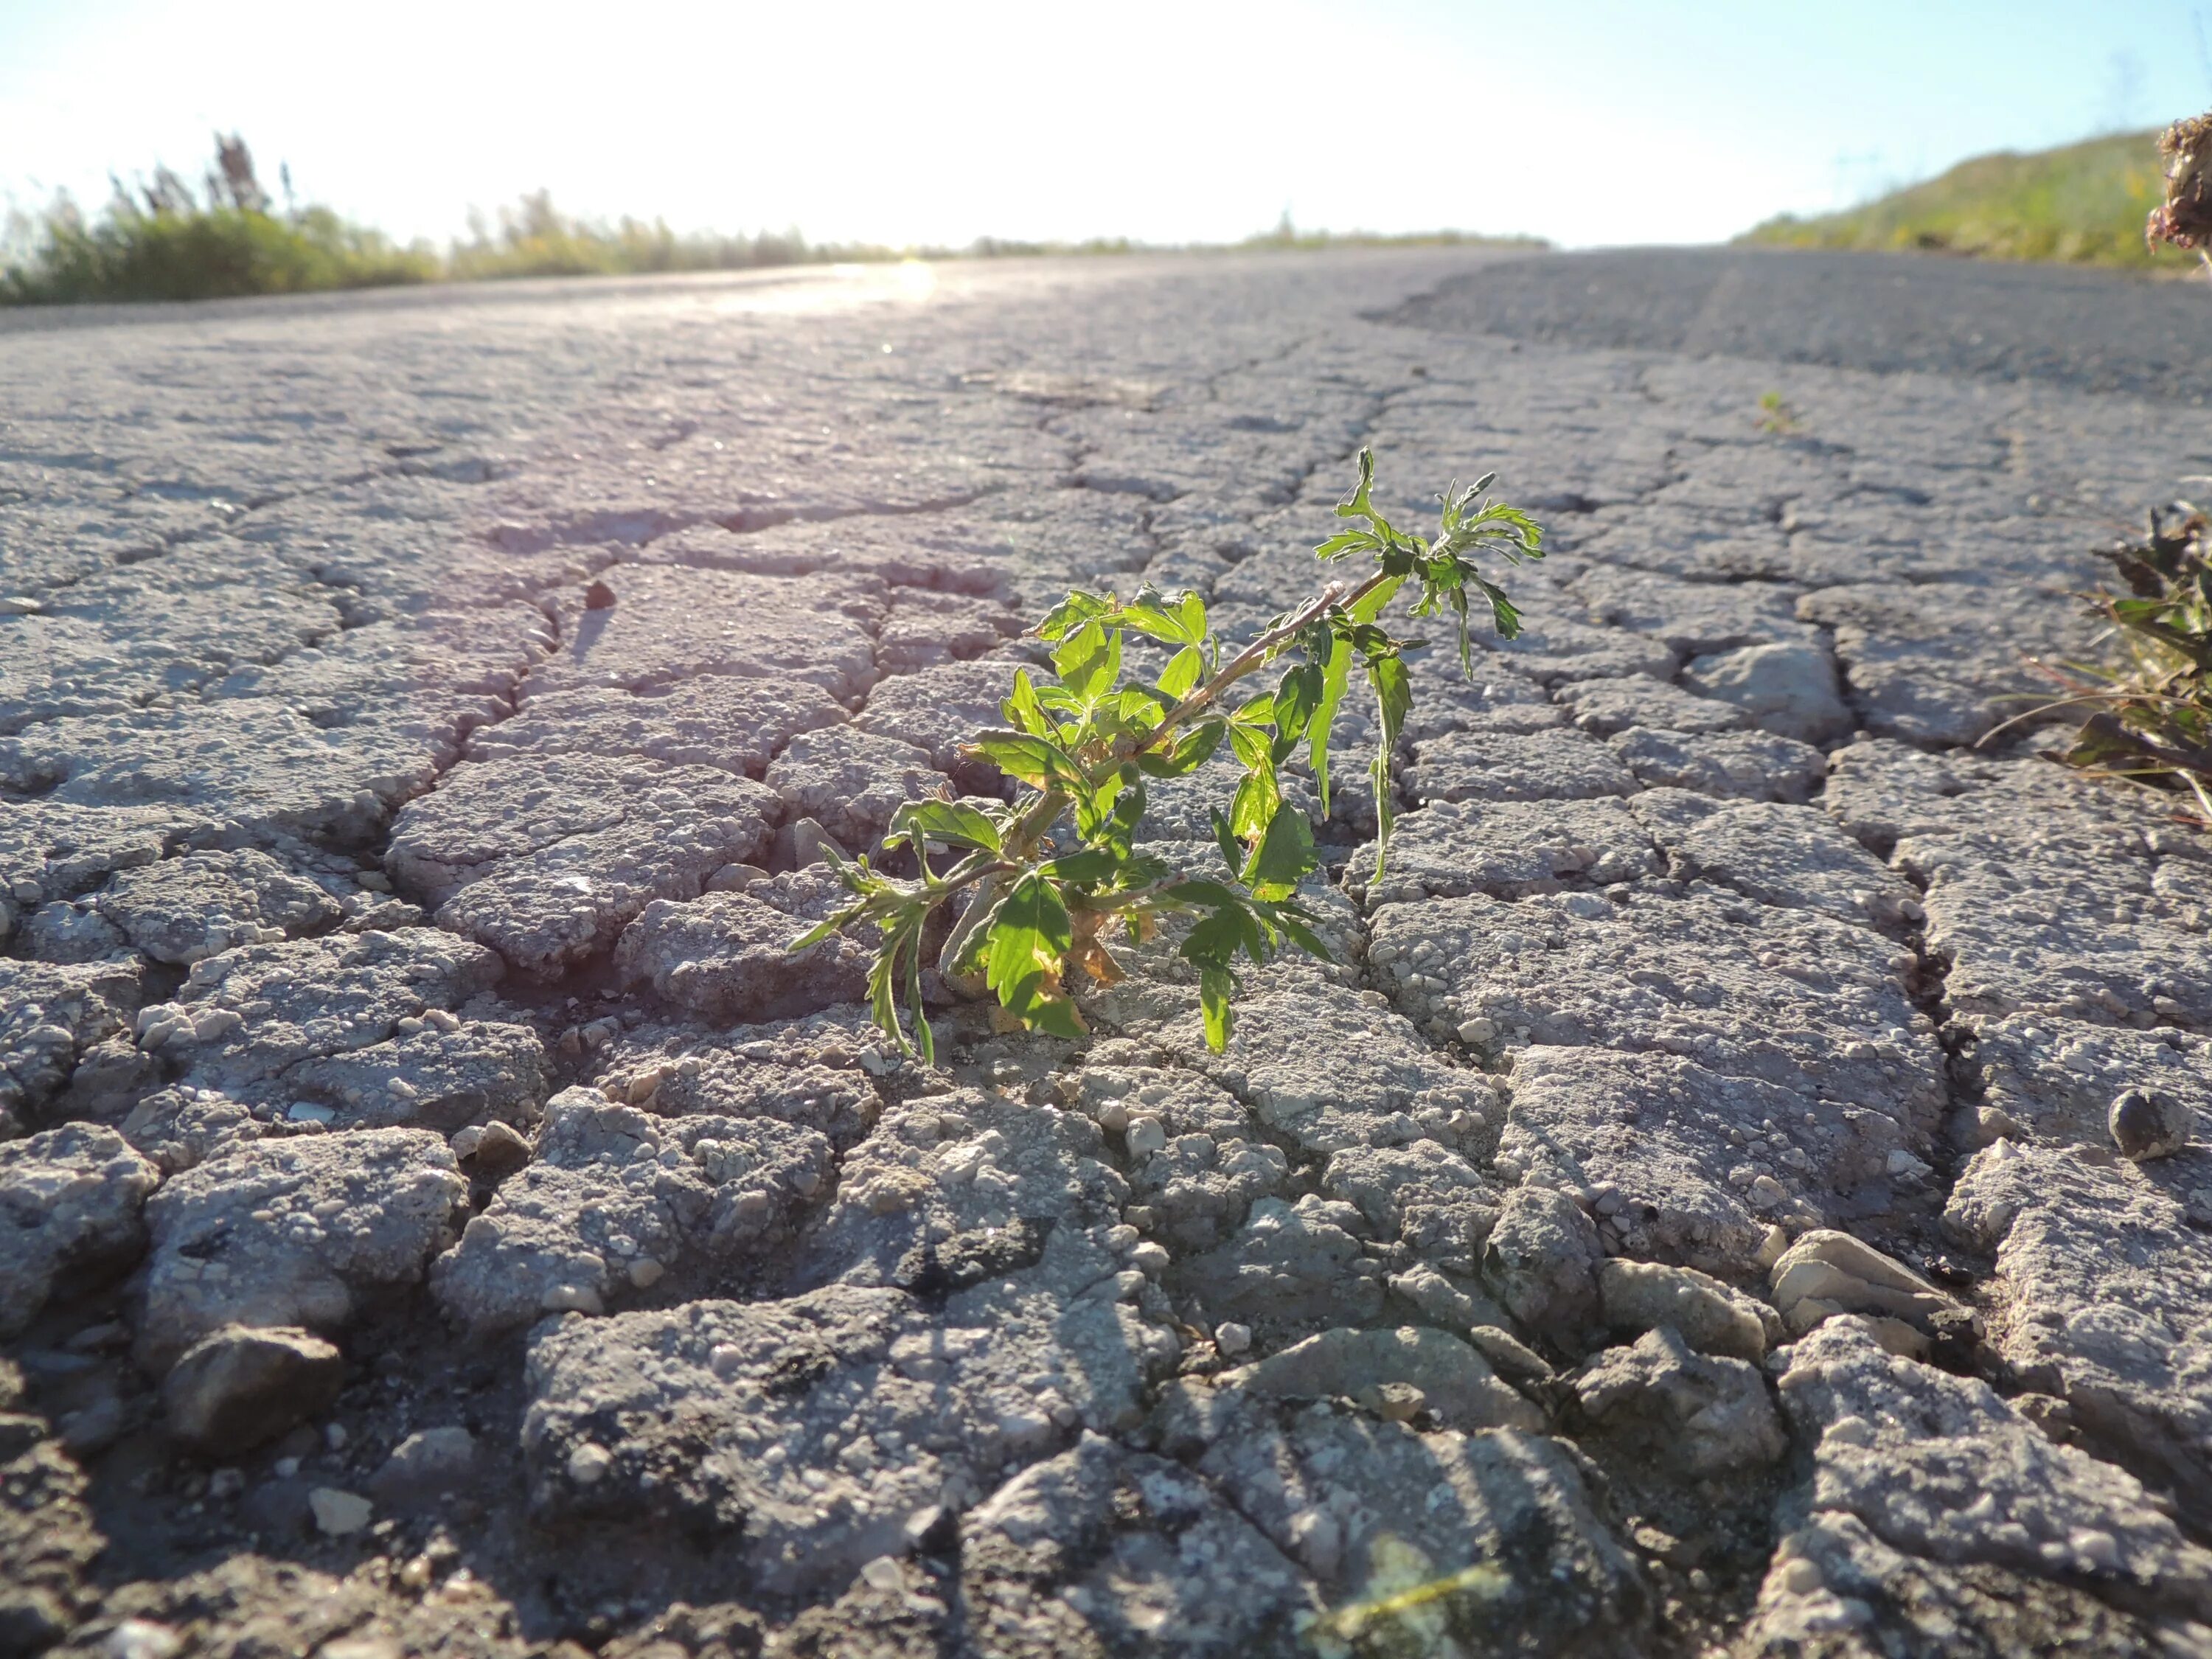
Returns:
(2082, 203)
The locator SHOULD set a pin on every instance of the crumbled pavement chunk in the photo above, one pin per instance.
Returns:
(813, 1435)
(240, 1386)
(301, 1231)
(1931, 1500)
(1509, 849)
(1541, 1261)
(2101, 1276)
(1793, 857)
(1710, 1316)
(184, 909)
(1292, 1268)
(939, 709)
(1698, 1414)
(1502, 1525)
(1732, 765)
(1500, 766)
(69, 1201)
(1787, 688)
(1700, 1160)
(670, 623)
(546, 860)
(951, 1190)
(616, 1199)
(1423, 1195)
(1453, 1381)
(2056, 1079)
(728, 957)
(1788, 996)
(1104, 1550)
(51, 1014)
(721, 721)
(2076, 924)
(850, 781)
(813, 1074)
(244, 1021)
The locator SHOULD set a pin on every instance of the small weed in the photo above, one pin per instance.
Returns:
(2152, 718)
(1776, 416)
(1040, 884)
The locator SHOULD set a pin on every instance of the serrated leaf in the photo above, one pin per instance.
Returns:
(1253, 805)
(1181, 672)
(1297, 699)
(1286, 853)
(1033, 760)
(1080, 869)
(1070, 614)
(1192, 609)
(1336, 676)
(1193, 749)
(1022, 708)
(1089, 661)
(947, 821)
(1152, 621)
(1253, 749)
(1029, 938)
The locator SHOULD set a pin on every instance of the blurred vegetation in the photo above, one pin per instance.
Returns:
(163, 239)
(2082, 204)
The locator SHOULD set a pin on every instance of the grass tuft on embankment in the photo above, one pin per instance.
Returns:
(2082, 203)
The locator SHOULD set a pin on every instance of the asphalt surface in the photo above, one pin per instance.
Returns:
(1888, 313)
(1684, 1218)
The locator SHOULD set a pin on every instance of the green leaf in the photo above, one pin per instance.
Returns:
(1343, 543)
(1225, 837)
(1216, 986)
(1152, 622)
(1181, 672)
(1335, 676)
(1033, 760)
(1080, 869)
(1394, 695)
(1021, 707)
(1192, 609)
(1193, 749)
(1254, 806)
(1296, 698)
(1029, 936)
(1259, 711)
(1070, 614)
(1089, 661)
(1283, 857)
(1253, 748)
(946, 821)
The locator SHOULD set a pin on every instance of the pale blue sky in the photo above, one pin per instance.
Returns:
(1596, 122)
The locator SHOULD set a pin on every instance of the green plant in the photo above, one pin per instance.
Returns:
(1040, 882)
(2152, 713)
(1776, 415)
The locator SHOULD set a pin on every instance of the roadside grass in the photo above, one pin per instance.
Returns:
(168, 239)
(2082, 203)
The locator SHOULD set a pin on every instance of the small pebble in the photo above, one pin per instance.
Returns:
(1232, 1338)
(338, 1513)
(2148, 1123)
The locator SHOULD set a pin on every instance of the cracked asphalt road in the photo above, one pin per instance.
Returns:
(1682, 1220)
